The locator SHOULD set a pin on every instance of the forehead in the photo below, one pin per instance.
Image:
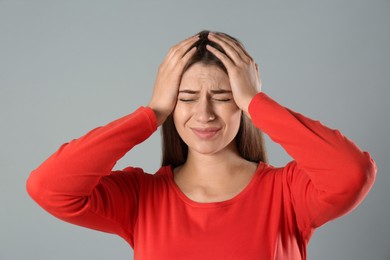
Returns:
(200, 75)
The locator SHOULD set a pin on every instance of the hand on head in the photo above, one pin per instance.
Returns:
(241, 68)
(169, 74)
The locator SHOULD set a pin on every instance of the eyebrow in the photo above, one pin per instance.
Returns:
(216, 91)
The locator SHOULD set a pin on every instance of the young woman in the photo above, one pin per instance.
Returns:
(215, 196)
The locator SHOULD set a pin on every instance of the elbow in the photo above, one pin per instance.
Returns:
(353, 187)
(35, 187)
(367, 172)
(51, 196)
(40, 189)
(362, 176)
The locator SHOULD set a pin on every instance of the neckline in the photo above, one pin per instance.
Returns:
(217, 204)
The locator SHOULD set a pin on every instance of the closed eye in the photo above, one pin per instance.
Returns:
(186, 100)
(222, 100)
(214, 99)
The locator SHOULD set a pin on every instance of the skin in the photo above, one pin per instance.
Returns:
(169, 74)
(205, 108)
(214, 170)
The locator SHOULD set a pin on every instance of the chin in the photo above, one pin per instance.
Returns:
(206, 149)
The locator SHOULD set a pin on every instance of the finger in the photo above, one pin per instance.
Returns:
(230, 51)
(186, 57)
(234, 42)
(234, 51)
(182, 47)
(222, 57)
(189, 39)
(186, 42)
(238, 45)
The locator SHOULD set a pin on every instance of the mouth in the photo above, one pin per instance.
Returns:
(206, 133)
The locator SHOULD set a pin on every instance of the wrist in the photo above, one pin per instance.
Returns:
(246, 102)
(160, 117)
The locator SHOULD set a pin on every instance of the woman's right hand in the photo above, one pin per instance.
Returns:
(169, 75)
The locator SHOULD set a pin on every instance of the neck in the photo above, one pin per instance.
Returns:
(212, 168)
(214, 177)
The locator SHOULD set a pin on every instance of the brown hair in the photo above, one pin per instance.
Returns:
(249, 139)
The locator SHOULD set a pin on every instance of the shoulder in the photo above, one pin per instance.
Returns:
(286, 174)
(266, 170)
(135, 175)
(144, 177)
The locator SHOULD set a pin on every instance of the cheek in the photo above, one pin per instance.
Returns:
(180, 116)
(235, 120)
(232, 120)
(177, 114)
(232, 114)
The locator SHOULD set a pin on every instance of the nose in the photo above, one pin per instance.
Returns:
(204, 111)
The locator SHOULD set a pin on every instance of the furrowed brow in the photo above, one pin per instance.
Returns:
(220, 91)
(217, 91)
(188, 91)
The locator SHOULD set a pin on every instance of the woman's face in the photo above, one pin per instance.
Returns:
(206, 116)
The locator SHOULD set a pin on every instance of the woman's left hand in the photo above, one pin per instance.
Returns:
(243, 71)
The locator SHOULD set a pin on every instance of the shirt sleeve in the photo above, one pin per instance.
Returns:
(329, 175)
(77, 183)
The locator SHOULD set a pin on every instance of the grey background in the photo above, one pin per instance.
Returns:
(69, 66)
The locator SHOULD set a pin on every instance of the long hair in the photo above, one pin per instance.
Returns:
(249, 139)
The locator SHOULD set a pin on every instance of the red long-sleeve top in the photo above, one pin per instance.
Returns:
(272, 218)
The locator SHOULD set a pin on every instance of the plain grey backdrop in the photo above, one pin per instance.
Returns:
(67, 67)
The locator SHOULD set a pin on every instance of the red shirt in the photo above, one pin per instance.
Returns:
(272, 218)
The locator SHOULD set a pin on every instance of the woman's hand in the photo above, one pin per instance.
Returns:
(243, 71)
(169, 75)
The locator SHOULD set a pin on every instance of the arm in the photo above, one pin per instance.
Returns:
(77, 184)
(329, 176)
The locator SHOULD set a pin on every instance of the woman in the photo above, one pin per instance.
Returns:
(214, 197)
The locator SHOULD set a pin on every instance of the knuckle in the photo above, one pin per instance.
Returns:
(173, 48)
(161, 67)
(241, 64)
(181, 63)
(247, 61)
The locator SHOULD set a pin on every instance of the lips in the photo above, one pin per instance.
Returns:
(206, 133)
